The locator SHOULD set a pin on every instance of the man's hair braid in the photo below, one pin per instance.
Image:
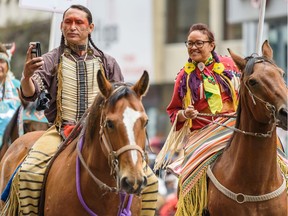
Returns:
(102, 56)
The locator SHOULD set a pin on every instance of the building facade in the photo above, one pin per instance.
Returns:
(235, 25)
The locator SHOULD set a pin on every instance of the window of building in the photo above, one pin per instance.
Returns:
(231, 31)
(278, 41)
(181, 14)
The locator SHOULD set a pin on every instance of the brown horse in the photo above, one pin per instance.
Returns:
(248, 169)
(13, 129)
(105, 160)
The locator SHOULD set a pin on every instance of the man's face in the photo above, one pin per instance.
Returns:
(3, 69)
(75, 26)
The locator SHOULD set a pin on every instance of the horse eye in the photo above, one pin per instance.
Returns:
(109, 124)
(252, 82)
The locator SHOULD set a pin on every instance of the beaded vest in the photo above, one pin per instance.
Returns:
(77, 88)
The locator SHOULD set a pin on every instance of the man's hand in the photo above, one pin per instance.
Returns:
(31, 64)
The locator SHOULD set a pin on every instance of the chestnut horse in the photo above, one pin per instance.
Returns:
(15, 127)
(105, 160)
(246, 179)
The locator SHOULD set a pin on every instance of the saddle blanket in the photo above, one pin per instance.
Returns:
(202, 149)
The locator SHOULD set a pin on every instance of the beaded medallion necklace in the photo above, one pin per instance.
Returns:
(209, 80)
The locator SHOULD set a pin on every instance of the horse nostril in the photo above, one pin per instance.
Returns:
(125, 184)
(282, 118)
(133, 186)
(283, 112)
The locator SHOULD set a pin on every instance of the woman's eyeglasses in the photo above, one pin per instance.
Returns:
(198, 43)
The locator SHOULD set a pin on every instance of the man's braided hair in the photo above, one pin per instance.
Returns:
(90, 20)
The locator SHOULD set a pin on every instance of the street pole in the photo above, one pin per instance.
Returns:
(260, 26)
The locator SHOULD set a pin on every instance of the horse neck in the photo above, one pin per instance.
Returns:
(93, 153)
(255, 155)
(97, 164)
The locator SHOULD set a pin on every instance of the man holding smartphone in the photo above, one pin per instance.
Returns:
(78, 55)
(36, 50)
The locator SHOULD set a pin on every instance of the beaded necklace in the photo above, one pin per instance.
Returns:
(211, 80)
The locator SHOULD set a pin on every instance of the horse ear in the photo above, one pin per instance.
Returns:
(23, 102)
(104, 85)
(239, 61)
(267, 50)
(141, 87)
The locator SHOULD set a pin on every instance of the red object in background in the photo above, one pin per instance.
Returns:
(68, 129)
(156, 143)
(170, 206)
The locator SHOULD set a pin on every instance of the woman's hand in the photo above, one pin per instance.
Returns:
(189, 113)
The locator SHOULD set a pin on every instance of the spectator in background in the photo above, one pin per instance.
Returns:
(9, 99)
(169, 207)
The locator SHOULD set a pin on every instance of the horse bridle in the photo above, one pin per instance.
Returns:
(109, 152)
(268, 106)
(113, 155)
(271, 108)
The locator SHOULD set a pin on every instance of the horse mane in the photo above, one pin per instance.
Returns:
(120, 90)
(251, 60)
(8, 130)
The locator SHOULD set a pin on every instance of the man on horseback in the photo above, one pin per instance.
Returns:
(68, 73)
(9, 100)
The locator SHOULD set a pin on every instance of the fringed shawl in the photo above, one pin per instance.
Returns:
(218, 78)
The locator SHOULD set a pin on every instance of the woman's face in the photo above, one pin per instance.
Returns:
(3, 70)
(199, 47)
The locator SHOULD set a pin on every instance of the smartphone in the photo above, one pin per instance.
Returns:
(36, 50)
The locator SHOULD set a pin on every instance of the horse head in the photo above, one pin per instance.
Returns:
(262, 81)
(122, 131)
(250, 174)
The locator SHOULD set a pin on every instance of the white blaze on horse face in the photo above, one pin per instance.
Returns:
(130, 116)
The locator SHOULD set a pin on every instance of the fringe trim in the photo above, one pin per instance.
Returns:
(195, 200)
(284, 170)
(11, 207)
(232, 90)
(172, 145)
(58, 119)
